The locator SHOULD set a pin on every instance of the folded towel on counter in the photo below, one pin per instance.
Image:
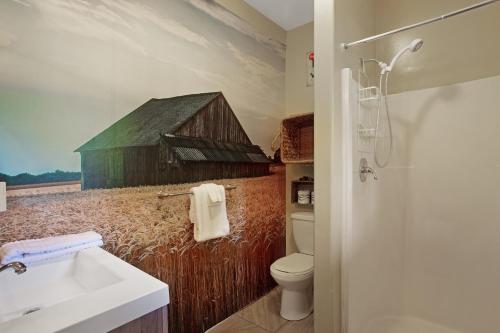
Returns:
(208, 213)
(34, 250)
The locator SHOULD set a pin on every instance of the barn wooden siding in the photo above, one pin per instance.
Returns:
(191, 172)
(132, 152)
(215, 121)
(120, 167)
(137, 166)
(176, 171)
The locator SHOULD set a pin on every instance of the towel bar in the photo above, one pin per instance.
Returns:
(169, 195)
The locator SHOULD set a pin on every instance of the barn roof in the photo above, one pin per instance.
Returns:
(206, 150)
(143, 126)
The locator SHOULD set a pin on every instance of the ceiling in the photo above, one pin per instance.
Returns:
(288, 14)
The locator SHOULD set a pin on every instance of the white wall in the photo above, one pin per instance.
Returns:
(425, 240)
(374, 236)
(299, 98)
(452, 231)
(335, 21)
(326, 259)
(460, 49)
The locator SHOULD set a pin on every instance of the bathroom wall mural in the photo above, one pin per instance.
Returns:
(75, 79)
(70, 69)
(208, 281)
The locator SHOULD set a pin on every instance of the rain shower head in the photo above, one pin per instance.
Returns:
(414, 46)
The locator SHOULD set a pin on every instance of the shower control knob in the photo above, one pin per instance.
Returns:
(365, 170)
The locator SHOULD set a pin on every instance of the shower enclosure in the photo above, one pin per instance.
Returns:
(421, 245)
(420, 233)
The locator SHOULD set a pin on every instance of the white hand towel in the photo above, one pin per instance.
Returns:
(210, 220)
(215, 192)
(33, 250)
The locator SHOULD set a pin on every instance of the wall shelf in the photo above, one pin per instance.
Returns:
(369, 96)
(297, 139)
(301, 185)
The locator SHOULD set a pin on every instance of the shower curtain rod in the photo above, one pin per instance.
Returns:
(345, 46)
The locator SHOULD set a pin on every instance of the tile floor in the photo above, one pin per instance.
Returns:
(263, 316)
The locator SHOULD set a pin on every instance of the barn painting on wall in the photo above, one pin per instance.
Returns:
(80, 75)
(174, 140)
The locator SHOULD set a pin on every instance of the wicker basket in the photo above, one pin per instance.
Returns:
(297, 139)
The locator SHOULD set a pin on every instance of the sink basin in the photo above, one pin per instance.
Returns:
(88, 291)
(51, 283)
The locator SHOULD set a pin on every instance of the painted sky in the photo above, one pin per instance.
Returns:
(71, 68)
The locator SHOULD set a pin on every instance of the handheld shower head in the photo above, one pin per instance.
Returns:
(414, 46)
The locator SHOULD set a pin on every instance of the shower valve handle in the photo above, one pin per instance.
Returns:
(365, 170)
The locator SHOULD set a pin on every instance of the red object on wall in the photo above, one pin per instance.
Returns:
(311, 56)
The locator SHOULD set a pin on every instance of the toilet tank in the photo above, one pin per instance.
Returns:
(303, 231)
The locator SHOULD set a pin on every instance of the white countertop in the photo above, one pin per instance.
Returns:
(90, 291)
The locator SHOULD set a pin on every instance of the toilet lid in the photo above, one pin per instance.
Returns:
(295, 263)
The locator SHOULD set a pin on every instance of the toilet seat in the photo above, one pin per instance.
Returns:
(296, 264)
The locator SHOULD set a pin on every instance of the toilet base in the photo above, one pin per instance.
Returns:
(296, 305)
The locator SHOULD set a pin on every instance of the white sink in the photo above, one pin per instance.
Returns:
(89, 291)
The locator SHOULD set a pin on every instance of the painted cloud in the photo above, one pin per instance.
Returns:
(70, 68)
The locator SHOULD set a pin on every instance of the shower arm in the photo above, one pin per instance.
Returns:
(381, 64)
(345, 46)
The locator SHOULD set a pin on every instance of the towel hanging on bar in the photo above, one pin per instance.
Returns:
(170, 195)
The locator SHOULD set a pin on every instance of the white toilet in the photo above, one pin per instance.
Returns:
(294, 273)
